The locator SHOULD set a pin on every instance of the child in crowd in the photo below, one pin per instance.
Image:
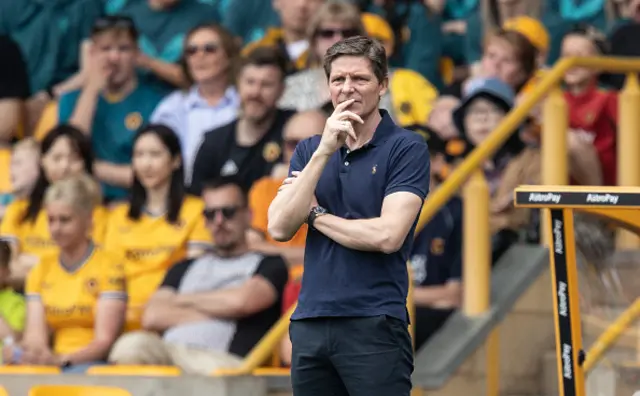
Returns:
(23, 172)
(12, 304)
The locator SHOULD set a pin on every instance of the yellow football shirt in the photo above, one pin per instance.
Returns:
(70, 298)
(150, 246)
(33, 237)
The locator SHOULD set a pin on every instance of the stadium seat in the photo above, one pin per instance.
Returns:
(272, 372)
(10, 370)
(153, 371)
(3, 392)
(77, 390)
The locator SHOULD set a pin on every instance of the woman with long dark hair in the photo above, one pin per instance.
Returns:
(160, 225)
(65, 152)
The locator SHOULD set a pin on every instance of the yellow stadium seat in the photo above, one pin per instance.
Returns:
(272, 371)
(3, 392)
(5, 178)
(77, 390)
(153, 371)
(10, 370)
(48, 120)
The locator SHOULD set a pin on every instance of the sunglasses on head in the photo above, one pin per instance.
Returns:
(110, 22)
(330, 33)
(208, 48)
(228, 212)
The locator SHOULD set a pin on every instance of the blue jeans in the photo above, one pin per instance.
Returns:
(82, 367)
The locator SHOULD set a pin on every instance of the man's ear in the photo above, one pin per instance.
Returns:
(384, 87)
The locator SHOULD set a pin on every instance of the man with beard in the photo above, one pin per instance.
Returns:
(211, 311)
(250, 146)
(112, 105)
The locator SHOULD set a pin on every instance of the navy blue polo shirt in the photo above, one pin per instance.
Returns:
(338, 281)
(437, 250)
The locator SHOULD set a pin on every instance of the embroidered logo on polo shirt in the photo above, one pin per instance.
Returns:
(133, 121)
(229, 168)
(374, 169)
(271, 151)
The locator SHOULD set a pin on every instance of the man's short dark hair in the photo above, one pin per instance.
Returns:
(115, 23)
(227, 181)
(362, 46)
(266, 56)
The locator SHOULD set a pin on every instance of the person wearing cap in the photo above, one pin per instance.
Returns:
(410, 95)
(484, 106)
(593, 112)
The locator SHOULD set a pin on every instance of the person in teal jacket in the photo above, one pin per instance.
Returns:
(249, 19)
(49, 33)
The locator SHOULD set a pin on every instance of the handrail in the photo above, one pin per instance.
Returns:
(551, 78)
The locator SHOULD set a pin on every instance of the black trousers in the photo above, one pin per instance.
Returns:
(354, 356)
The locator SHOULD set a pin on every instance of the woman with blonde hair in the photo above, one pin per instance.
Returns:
(77, 294)
(64, 152)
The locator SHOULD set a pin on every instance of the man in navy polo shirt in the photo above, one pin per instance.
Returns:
(359, 187)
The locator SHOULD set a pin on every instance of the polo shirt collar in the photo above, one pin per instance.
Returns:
(385, 129)
(194, 99)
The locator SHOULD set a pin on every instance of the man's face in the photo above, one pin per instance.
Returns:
(352, 77)
(227, 216)
(259, 87)
(295, 15)
(116, 52)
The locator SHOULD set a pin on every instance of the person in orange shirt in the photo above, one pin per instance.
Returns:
(299, 127)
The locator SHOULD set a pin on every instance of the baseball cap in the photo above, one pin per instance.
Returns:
(492, 89)
(532, 29)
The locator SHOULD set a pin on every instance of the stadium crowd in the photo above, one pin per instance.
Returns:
(142, 141)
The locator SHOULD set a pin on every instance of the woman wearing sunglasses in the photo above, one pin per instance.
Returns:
(160, 225)
(209, 61)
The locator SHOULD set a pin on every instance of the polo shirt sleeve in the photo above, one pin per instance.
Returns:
(409, 169)
(174, 276)
(274, 270)
(299, 157)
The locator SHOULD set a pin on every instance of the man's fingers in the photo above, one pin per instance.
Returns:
(341, 106)
(295, 173)
(349, 115)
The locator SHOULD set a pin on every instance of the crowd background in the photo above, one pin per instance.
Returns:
(141, 142)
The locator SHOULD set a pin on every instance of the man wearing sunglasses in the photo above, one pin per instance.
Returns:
(112, 104)
(212, 310)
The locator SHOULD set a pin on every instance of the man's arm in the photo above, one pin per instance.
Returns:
(163, 312)
(14, 89)
(290, 207)
(445, 296)
(257, 294)
(381, 234)
(407, 186)
(114, 174)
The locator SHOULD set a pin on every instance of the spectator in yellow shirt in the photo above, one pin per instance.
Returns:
(77, 294)
(160, 225)
(64, 152)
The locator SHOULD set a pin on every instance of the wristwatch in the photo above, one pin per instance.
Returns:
(315, 212)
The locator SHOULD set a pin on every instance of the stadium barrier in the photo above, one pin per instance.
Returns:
(554, 171)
